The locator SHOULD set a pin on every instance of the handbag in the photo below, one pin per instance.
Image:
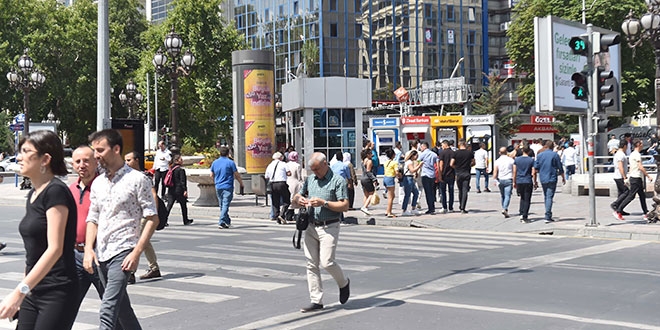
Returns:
(269, 181)
(302, 222)
(376, 199)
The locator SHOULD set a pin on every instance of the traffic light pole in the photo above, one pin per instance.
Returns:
(591, 106)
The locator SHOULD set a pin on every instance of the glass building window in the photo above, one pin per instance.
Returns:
(471, 14)
(358, 31)
(450, 13)
(358, 6)
(471, 37)
(333, 29)
(333, 5)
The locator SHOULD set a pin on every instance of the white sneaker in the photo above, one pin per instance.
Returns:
(365, 211)
(416, 212)
(407, 214)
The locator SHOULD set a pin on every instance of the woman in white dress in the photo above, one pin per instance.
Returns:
(294, 181)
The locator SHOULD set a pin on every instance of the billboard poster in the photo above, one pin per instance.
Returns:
(258, 87)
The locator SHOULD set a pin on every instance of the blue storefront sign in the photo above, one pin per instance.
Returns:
(384, 122)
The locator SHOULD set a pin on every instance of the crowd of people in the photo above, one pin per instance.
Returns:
(435, 172)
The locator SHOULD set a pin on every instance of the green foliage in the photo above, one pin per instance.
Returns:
(189, 146)
(6, 136)
(310, 53)
(490, 103)
(638, 72)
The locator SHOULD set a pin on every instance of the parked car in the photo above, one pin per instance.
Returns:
(149, 160)
(8, 162)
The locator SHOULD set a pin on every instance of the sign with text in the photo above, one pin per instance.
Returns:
(381, 122)
(555, 64)
(416, 120)
(543, 119)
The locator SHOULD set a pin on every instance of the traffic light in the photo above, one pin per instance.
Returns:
(579, 45)
(580, 89)
(605, 89)
(603, 124)
(602, 42)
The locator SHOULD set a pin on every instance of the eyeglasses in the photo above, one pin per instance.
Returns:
(27, 151)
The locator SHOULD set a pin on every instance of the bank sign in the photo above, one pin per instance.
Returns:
(555, 64)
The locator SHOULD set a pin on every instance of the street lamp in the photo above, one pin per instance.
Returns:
(25, 79)
(173, 45)
(130, 97)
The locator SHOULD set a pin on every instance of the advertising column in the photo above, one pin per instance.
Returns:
(254, 109)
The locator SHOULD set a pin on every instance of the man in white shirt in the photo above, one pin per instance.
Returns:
(636, 175)
(613, 144)
(503, 174)
(536, 146)
(119, 199)
(569, 158)
(481, 167)
(162, 160)
(276, 173)
(620, 175)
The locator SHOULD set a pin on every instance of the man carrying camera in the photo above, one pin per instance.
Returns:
(326, 193)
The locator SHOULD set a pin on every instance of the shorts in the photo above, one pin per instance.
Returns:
(367, 185)
(388, 181)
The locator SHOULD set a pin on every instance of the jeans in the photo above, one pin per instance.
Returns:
(479, 172)
(409, 188)
(636, 188)
(548, 193)
(525, 191)
(447, 188)
(429, 192)
(320, 246)
(570, 170)
(115, 304)
(224, 198)
(463, 182)
(506, 186)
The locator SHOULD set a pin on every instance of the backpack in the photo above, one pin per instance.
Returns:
(169, 177)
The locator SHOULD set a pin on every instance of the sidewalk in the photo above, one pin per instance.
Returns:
(570, 212)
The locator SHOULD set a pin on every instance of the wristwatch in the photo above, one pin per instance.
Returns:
(23, 288)
(325, 204)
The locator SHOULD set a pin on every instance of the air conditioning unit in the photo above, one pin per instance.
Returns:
(505, 26)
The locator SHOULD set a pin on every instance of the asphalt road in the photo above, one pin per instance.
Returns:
(250, 277)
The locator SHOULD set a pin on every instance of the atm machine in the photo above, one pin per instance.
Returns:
(384, 132)
(481, 129)
(447, 128)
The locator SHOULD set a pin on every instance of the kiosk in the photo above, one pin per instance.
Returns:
(415, 128)
(446, 128)
(384, 132)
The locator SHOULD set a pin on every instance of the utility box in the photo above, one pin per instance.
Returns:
(259, 186)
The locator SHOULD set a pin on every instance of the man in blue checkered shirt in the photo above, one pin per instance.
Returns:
(326, 193)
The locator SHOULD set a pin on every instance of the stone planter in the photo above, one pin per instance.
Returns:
(206, 185)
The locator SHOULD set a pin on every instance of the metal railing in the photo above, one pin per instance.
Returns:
(604, 164)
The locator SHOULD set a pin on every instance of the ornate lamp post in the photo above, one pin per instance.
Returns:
(637, 31)
(25, 79)
(173, 45)
(130, 97)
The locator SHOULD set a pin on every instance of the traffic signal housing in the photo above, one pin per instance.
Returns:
(603, 125)
(580, 85)
(602, 42)
(579, 45)
(606, 90)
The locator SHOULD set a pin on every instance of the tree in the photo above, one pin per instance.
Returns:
(638, 74)
(490, 103)
(205, 97)
(310, 53)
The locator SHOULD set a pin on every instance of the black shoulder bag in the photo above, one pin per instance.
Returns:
(302, 222)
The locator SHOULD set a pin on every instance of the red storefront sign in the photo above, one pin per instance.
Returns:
(543, 120)
(416, 120)
(532, 128)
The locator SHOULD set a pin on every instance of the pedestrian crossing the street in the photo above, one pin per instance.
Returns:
(204, 265)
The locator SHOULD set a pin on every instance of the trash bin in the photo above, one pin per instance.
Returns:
(259, 186)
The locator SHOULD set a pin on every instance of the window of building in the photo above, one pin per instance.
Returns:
(267, 14)
(358, 6)
(428, 10)
(281, 10)
(471, 38)
(295, 8)
(333, 29)
(471, 14)
(358, 31)
(333, 5)
(450, 13)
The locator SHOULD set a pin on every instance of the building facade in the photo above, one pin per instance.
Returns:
(393, 43)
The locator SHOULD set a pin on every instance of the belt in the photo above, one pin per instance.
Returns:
(325, 223)
(80, 247)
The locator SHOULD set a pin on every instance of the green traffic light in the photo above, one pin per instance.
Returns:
(580, 45)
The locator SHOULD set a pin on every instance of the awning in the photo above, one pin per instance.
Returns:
(415, 129)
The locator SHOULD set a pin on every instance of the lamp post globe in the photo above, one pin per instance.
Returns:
(173, 45)
(130, 97)
(25, 79)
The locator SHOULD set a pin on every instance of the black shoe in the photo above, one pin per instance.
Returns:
(464, 211)
(430, 212)
(478, 191)
(150, 274)
(311, 308)
(345, 292)
(2, 246)
(487, 190)
(187, 222)
(131, 279)
(624, 213)
(223, 226)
